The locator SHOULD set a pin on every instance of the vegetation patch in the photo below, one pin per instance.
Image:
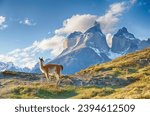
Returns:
(127, 77)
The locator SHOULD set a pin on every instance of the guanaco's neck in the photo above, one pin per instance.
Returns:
(41, 64)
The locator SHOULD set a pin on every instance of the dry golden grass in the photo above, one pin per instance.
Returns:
(134, 66)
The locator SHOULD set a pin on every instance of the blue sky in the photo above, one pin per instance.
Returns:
(29, 27)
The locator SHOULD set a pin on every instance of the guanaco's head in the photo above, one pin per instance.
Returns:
(41, 60)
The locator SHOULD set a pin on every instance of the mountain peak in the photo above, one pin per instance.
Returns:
(74, 34)
(95, 28)
(124, 42)
(122, 31)
(148, 40)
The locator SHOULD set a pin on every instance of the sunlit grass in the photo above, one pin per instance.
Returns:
(133, 67)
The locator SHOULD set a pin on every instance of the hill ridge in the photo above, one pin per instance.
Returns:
(125, 77)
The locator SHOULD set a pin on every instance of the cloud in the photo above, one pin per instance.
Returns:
(77, 23)
(2, 22)
(111, 17)
(28, 56)
(109, 37)
(20, 58)
(53, 46)
(28, 22)
(108, 21)
(6, 58)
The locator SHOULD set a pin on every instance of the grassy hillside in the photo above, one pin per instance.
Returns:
(124, 77)
(126, 66)
(134, 67)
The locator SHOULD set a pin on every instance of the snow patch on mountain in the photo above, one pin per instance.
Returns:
(11, 67)
(96, 51)
(113, 55)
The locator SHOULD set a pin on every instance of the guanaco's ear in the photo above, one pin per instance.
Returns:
(39, 58)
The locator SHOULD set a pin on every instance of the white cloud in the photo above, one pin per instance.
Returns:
(111, 17)
(109, 37)
(28, 22)
(108, 21)
(55, 44)
(7, 58)
(28, 56)
(2, 22)
(77, 23)
(19, 57)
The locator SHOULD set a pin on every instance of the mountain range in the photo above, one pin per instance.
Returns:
(126, 77)
(11, 67)
(86, 49)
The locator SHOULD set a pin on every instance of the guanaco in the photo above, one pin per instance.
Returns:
(50, 69)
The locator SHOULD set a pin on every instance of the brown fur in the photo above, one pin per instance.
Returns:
(51, 69)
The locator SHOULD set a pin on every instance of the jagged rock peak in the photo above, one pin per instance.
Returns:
(122, 31)
(148, 40)
(95, 28)
(74, 34)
